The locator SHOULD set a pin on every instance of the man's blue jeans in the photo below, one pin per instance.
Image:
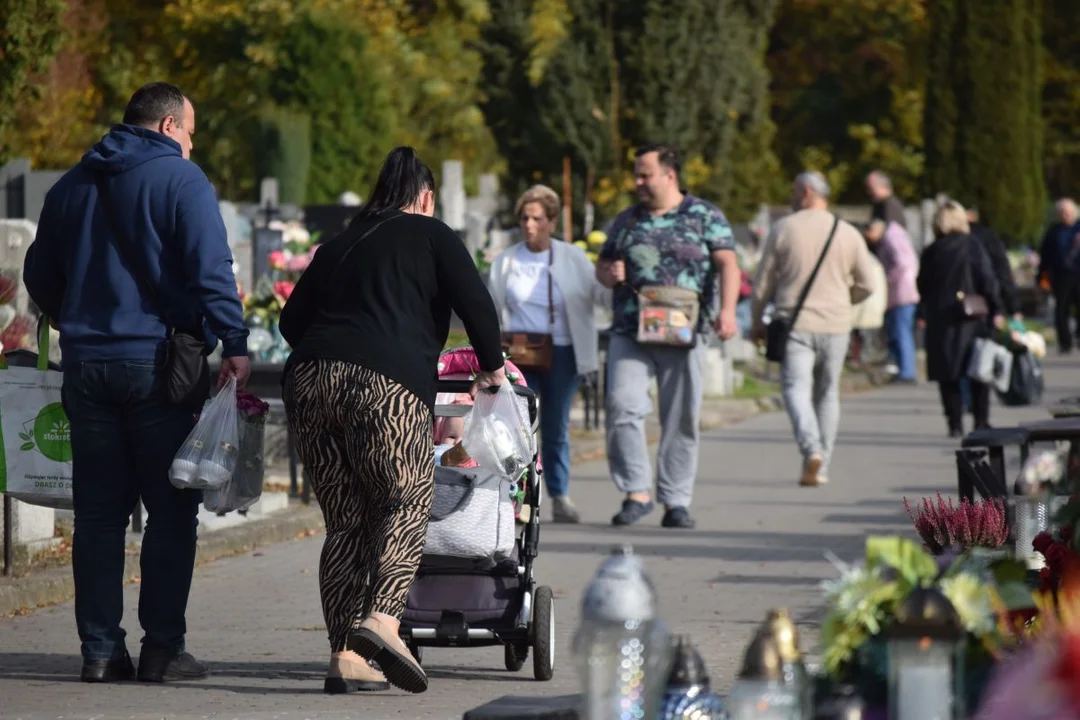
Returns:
(124, 435)
(556, 389)
(900, 329)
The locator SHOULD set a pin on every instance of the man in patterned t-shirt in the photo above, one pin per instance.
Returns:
(674, 239)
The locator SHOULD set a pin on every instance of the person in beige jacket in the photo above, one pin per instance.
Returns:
(810, 372)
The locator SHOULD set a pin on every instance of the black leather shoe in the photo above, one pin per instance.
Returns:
(678, 517)
(157, 666)
(108, 671)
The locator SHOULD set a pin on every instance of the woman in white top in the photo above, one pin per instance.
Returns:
(520, 285)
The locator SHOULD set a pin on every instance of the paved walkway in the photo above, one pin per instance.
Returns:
(759, 544)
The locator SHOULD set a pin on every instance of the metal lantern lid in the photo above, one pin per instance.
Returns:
(926, 612)
(620, 591)
(762, 660)
(779, 625)
(687, 666)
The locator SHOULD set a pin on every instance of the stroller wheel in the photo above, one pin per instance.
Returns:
(543, 633)
(418, 653)
(514, 656)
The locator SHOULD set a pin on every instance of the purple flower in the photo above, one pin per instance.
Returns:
(943, 526)
(251, 406)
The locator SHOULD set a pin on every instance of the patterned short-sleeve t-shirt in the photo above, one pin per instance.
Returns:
(671, 249)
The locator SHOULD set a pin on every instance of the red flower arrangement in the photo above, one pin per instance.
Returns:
(284, 288)
(1059, 557)
(251, 407)
(19, 333)
(944, 526)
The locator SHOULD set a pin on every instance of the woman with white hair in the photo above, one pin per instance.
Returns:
(959, 296)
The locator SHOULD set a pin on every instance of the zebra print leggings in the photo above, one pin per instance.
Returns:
(366, 445)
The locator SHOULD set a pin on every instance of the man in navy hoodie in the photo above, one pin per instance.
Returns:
(124, 430)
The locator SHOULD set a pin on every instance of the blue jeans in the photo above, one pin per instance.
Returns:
(900, 329)
(124, 434)
(556, 389)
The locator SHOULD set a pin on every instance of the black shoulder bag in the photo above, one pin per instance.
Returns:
(780, 328)
(187, 372)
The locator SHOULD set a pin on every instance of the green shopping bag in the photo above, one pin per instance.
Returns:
(35, 452)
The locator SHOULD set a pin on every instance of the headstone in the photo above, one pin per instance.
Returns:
(489, 194)
(475, 226)
(238, 230)
(32, 530)
(718, 373)
(265, 242)
(452, 194)
(15, 239)
(268, 192)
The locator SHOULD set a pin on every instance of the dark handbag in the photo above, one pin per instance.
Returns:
(779, 330)
(972, 305)
(186, 369)
(532, 352)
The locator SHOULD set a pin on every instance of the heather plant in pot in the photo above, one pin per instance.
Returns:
(943, 526)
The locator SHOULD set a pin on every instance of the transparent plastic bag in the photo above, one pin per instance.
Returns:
(207, 458)
(496, 434)
(244, 488)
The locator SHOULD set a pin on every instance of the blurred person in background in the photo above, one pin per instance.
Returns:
(896, 254)
(1063, 278)
(818, 343)
(954, 266)
(673, 239)
(548, 289)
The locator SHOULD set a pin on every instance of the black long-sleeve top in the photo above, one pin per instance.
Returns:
(386, 305)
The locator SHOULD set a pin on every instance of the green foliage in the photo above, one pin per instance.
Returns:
(847, 83)
(351, 121)
(31, 32)
(983, 116)
(606, 88)
(1061, 95)
(916, 566)
(283, 150)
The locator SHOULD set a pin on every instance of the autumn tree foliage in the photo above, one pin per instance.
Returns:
(984, 121)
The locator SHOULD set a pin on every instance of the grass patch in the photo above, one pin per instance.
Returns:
(755, 388)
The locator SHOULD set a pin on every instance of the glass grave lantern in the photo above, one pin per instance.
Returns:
(925, 659)
(760, 692)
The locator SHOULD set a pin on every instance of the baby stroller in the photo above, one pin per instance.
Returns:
(489, 601)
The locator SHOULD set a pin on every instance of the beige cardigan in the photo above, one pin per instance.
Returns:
(575, 275)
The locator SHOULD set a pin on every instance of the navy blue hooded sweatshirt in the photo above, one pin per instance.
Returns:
(77, 275)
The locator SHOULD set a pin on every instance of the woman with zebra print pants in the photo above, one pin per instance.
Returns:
(366, 323)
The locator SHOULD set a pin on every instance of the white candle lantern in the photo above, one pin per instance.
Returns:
(925, 659)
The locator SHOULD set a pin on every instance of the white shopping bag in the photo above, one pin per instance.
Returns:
(991, 364)
(36, 463)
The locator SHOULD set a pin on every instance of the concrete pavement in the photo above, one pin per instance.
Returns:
(760, 543)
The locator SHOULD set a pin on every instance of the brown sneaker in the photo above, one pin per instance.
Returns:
(351, 673)
(374, 641)
(811, 474)
(563, 510)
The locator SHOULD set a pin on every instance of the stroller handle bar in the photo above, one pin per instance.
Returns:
(463, 386)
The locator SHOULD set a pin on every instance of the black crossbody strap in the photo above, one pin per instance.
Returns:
(810, 281)
(127, 250)
(356, 242)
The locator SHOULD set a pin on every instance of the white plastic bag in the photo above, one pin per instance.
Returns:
(207, 458)
(496, 435)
